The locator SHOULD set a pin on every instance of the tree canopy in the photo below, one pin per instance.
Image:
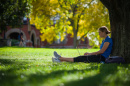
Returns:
(12, 12)
(76, 17)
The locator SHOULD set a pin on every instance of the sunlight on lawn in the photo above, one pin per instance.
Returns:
(34, 67)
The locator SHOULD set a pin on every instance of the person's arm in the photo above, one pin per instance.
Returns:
(105, 46)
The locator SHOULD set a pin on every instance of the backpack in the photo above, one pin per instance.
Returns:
(115, 59)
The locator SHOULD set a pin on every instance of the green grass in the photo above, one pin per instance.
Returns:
(34, 67)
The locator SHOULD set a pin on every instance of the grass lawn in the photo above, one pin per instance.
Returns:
(34, 67)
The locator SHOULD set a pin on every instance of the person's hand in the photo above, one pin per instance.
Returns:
(87, 53)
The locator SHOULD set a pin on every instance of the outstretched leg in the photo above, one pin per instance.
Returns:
(20, 43)
(66, 59)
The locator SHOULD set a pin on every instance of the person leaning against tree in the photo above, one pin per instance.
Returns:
(99, 56)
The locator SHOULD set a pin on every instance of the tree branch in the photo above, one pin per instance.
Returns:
(106, 3)
(85, 7)
(83, 36)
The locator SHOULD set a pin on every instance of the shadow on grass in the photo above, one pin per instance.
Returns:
(5, 61)
(95, 80)
(39, 77)
(99, 79)
(10, 76)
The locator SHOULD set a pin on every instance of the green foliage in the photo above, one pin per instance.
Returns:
(95, 46)
(14, 42)
(77, 17)
(34, 67)
(12, 13)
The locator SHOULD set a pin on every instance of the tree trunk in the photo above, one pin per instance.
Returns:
(75, 34)
(119, 14)
(75, 39)
(74, 28)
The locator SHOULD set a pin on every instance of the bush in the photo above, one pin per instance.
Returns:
(14, 42)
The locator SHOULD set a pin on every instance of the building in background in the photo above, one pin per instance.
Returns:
(30, 34)
(32, 38)
(67, 43)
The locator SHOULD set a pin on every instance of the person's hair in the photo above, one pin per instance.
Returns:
(104, 29)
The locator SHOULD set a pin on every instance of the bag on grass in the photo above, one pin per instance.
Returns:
(115, 59)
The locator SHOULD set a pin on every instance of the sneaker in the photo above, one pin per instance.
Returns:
(56, 55)
(55, 60)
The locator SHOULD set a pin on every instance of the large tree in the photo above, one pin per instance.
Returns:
(119, 14)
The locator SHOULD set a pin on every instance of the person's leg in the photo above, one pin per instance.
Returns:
(81, 59)
(66, 59)
(95, 58)
(20, 43)
(75, 59)
(59, 58)
(90, 58)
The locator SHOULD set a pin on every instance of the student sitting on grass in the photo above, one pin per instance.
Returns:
(99, 56)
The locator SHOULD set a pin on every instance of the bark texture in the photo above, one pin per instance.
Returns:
(119, 14)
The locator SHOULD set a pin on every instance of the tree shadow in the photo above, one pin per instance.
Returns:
(5, 61)
(10, 77)
(8, 74)
(105, 70)
(92, 81)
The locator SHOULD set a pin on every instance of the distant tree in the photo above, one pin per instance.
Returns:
(12, 13)
(119, 14)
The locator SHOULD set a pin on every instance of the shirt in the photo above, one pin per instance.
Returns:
(109, 49)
